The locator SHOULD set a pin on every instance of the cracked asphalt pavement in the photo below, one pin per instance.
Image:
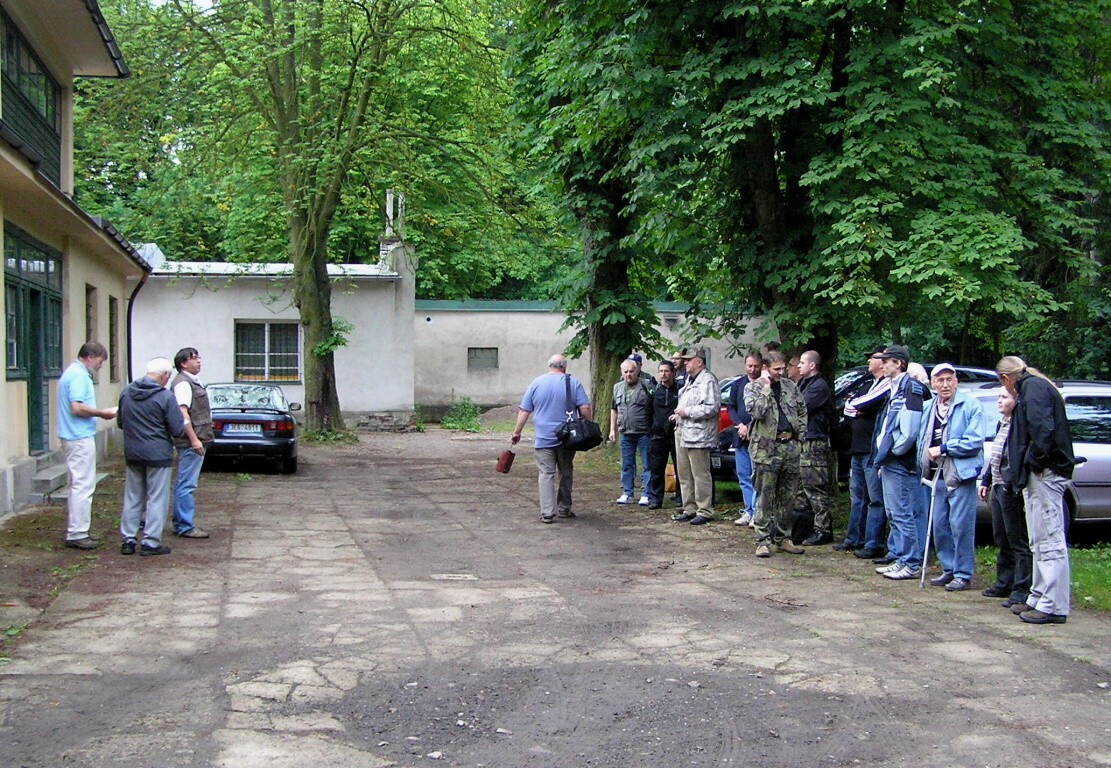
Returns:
(397, 603)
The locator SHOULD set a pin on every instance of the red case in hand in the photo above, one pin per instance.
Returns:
(505, 462)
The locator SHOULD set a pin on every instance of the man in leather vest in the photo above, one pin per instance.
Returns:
(192, 399)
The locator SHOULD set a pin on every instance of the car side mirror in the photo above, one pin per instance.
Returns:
(294, 406)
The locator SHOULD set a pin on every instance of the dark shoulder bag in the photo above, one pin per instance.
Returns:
(577, 433)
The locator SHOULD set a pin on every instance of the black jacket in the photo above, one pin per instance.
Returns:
(738, 414)
(863, 425)
(819, 407)
(1040, 437)
(663, 404)
(150, 418)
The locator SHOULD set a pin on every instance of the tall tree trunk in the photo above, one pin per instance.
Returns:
(312, 292)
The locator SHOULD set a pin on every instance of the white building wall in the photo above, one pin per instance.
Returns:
(374, 372)
(525, 338)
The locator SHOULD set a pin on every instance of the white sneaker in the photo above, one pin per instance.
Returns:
(744, 519)
(889, 568)
(622, 499)
(643, 501)
(904, 573)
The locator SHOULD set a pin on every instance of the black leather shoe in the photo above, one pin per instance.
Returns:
(1011, 602)
(885, 560)
(942, 580)
(843, 547)
(996, 592)
(684, 518)
(700, 520)
(128, 547)
(654, 505)
(867, 554)
(817, 540)
(146, 550)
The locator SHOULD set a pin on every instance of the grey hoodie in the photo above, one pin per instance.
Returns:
(150, 418)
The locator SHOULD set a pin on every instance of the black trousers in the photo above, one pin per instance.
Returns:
(660, 447)
(1014, 565)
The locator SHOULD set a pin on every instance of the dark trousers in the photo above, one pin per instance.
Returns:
(660, 447)
(1014, 565)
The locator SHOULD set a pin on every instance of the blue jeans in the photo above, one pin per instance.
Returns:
(188, 475)
(866, 513)
(902, 496)
(631, 445)
(744, 477)
(955, 527)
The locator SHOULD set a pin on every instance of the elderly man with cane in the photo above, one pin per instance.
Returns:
(951, 455)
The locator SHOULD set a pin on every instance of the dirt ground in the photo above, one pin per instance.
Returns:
(397, 603)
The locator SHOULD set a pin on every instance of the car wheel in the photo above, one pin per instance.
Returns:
(289, 466)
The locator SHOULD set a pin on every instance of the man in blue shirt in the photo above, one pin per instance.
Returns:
(77, 415)
(546, 400)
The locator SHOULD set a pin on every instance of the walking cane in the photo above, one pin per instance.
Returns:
(929, 526)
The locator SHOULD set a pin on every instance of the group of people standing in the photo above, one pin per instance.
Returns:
(918, 456)
(163, 412)
(917, 462)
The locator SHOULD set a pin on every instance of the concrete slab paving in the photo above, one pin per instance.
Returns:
(397, 603)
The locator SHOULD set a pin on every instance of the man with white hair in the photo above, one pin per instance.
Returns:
(150, 419)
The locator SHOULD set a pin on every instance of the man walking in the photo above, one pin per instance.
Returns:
(630, 419)
(778, 414)
(1041, 460)
(738, 414)
(896, 437)
(864, 535)
(661, 438)
(550, 399)
(192, 399)
(150, 419)
(814, 452)
(77, 415)
(951, 455)
(696, 431)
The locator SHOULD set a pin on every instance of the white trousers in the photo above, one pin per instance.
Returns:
(1045, 521)
(81, 462)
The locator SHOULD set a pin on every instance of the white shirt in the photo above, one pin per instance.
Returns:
(183, 392)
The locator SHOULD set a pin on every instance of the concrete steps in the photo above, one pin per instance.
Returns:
(51, 484)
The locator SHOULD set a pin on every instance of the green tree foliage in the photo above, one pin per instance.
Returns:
(835, 165)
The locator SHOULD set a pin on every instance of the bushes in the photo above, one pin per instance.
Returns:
(462, 415)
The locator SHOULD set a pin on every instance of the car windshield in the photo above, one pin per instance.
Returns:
(246, 396)
(1089, 418)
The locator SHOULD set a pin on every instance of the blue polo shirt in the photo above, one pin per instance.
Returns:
(76, 385)
(546, 400)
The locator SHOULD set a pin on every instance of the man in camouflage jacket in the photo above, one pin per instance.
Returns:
(778, 414)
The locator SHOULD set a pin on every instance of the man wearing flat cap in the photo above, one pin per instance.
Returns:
(696, 432)
(896, 438)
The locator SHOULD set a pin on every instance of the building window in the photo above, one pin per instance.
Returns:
(267, 351)
(90, 313)
(31, 99)
(32, 304)
(482, 358)
(113, 335)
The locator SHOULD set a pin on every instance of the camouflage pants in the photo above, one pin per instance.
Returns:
(814, 484)
(776, 481)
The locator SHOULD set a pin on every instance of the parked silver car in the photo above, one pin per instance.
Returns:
(1088, 406)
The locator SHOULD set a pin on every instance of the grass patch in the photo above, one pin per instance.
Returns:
(462, 415)
(1090, 568)
(328, 436)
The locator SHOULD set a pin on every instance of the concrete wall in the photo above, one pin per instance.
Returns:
(374, 372)
(525, 334)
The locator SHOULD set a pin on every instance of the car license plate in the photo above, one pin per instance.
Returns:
(715, 462)
(242, 429)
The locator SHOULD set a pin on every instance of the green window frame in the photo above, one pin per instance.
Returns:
(31, 98)
(31, 266)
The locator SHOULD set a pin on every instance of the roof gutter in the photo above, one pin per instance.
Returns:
(108, 38)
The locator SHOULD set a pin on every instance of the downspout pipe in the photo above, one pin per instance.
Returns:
(130, 314)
